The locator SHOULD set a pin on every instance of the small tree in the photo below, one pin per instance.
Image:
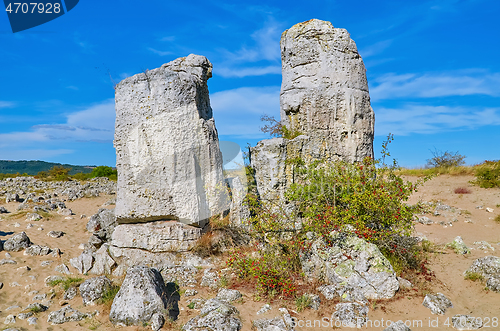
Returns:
(59, 173)
(445, 159)
(274, 128)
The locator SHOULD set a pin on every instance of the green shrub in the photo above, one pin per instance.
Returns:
(59, 173)
(103, 171)
(109, 294)
(474, 276)
(302, 302)
(66, 283)
(488, 174)
(445, 159)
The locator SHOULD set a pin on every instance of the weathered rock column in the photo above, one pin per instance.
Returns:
(168, 158)
(324, 91)
(324, 100)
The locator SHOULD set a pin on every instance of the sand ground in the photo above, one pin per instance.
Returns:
(468, 297)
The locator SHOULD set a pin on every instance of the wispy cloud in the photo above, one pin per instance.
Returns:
(237, 112)
(430, 85)
(432, 119)
(246, 72)
(167, 38)
(6, 104)
(160, 53)
(95, 123)
(33, 154)
(375, 49)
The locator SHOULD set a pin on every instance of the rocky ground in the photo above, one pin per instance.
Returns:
(23, 278)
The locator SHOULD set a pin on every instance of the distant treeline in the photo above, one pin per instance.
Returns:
(32, 168)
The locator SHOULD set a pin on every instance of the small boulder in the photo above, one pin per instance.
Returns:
(66, 314)
(215, 315)
(143, 293)
(17, 242)
(438, 303)
(93, 288)
(3, 210)
(459, 246)
(466, 322)
(55, 234)
(489, 268)
(352, 314)
(228, 296)
(398, 326)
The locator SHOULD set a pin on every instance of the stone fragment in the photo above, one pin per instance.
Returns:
(270, 324)
(210, 278)
(228, 295)
(466, 322)
(398, 326)
(3, 210)
(33, 217)
(157, 321)
(264, 309)
(438, 303)
(404, 283)
(459, 246)
(34, 250)
(489, 268)
(17, 242)
(190, 292)
(160, 236)
(62, 268)
(7, 261)
(215, 315)
(55, 234)
(103, 263)
(65, 212)
(167, 146)
(425, 220)
(83, 263)
(32, 321)
(102, 225)
(92, 289)
(70, 293)
(36, 307)
(10, 319)
(142, 294)
(66, 314)
(23, 316)
(351, 314)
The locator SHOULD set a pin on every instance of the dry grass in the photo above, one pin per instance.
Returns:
(453, 171)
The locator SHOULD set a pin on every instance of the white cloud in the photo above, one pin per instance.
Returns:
(432, 119)
(160, 53)
(375, 49)
(471, 82)
(6, 104)
(245, 72)
(95, 123)
(33, 154)
(237, 112)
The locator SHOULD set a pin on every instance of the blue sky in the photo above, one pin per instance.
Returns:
(433, 68)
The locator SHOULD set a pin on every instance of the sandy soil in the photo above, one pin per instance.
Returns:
(468, 297)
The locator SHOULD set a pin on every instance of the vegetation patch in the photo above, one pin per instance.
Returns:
(66, 283)
(462, 190)
(474, 276)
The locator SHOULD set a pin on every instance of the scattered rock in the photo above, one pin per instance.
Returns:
(103, 263)
(17, 242)
(93, 288)
(52, 279)
(215, 315)
(265, 308)
(398, 326)
(190, 292)
(66, 314)
(210, 278)
(483, 245)
(34, 250)
(489, 210)
(37, 307)
(351, 265)
(32, 321)
(102, 225)
(65, 212)
(7, 261)
(55, 234)
(351, 314)
(270, 324)
(425, 220)
(83, 263)
(403, 283)
(70, 293)
(33, 217)
(489, 268)
(143, 293)
(3, 210)
(62, 268)
(23, 316)
(438, 303)
(459, 246)
(10, 319)
(315, 301)
(466, 322)
(40, 297)
(228, 295)
(157, 321)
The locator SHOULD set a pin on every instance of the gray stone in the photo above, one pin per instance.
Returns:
(438, 303)
(489, 268)
(17, 242)
(210, 278)
(7, 261)
(55, 234)
(264, 309)
(459, 246)
(404, 283)
(3, 210)
(157, 321)
(23, 316)
(62, 268)
(66, 314)
(34, 250)
(239, 210)
(353, 266)
(466, 322)
(398, 326)
(102, 224)
(51, 279)
(425, 220)
(38, 307)
(33, 217)
(228, 295)
(32, 321)
(351, 314)
(315, 301)
(215, 315)
(70, 293)
(92, 289)
(103, 264)
(142, 294)
(167, 146)
(10, 319)
(65, 212)
(160, 236)
(83, 263)
(190, 292)
(270, 324)
(40, 297)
